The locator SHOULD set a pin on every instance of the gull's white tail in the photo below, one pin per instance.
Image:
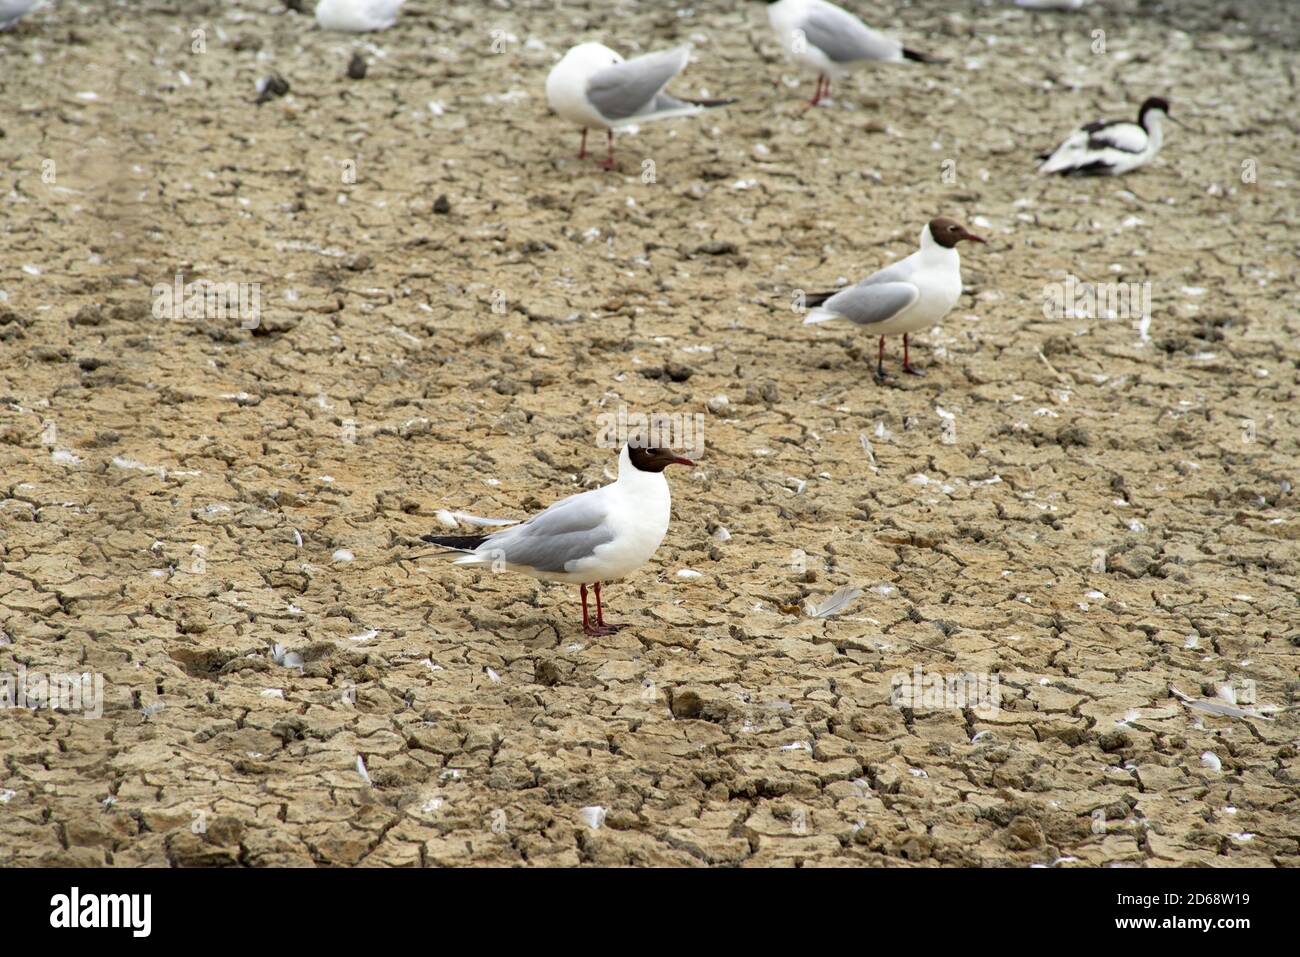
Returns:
(820, 315)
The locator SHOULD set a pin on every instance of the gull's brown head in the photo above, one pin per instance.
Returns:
(654, 460)
(948, 232)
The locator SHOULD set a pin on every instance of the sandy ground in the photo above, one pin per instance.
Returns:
(1109, 513)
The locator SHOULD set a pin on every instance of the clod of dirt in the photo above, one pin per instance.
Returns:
(1113, 741)
(1068, 435)
(442, 205)
(715, 248)
(271, 87)
(1023, 833)
(686, 704)
(357, 67)
(1058, 346)
(670, 370)
(767, 393)
(91, 314)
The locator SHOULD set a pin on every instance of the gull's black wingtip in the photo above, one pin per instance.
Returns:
(709, 103)
(917, 57)
(464, 542)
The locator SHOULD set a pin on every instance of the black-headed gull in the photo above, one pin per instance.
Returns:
(912, 294)
(594, 86)
(11, 11)
(1110, 147)
(831, 41)
(357, 16)
(594, 536)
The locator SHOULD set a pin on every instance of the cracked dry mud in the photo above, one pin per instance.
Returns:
(181, 496)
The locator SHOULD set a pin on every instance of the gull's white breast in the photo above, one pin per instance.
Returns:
(639, 513)
(566, 84)
(937, 277)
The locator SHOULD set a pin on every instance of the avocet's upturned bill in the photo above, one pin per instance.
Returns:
(593, 86)
(595, 536)
(911, 295)
(357, 16)
(1110, 147)
(831, 42)
(11, 11)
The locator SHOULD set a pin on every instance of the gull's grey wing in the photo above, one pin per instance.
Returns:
(631, 87)
(900, 271)
(844, 38)
(568, 531)
(870, 302)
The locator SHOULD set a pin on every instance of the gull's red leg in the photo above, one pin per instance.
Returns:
(582, 153)
(907, 365)
(586, 623)
(817, 96)
(600, 615)
(609, 158)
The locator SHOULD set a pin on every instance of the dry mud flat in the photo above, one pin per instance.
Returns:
(179, 497)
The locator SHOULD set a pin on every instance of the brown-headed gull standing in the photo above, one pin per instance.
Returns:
(591, 537)
(1110, 147)
(593, 86)
(912, 294)
(831, 42)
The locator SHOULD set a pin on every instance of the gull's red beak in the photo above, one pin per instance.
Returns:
(678, 460)
(975, 239)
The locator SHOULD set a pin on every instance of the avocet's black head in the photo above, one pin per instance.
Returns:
(654, 460)
(948, 232)
(1152, 103)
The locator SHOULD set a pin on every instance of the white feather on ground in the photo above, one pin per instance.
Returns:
(1214, 707)
(834, 604)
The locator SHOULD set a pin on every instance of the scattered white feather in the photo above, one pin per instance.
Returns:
(1211, 760)
(361, 770)
(1214, 707)
(593, 816)
(836, 603)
